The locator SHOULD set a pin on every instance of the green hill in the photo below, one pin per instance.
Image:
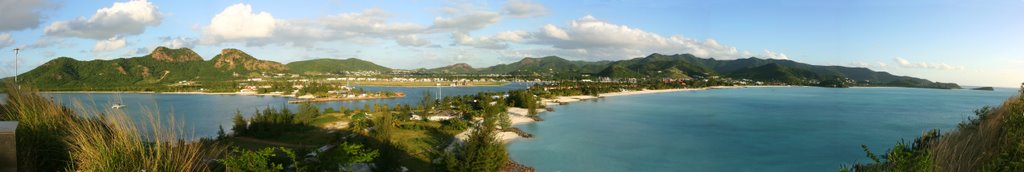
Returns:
(619, 71)
(773, 72)
(162, 66)
(334, 66)
(238, 61)
(462, 68)
(742, 68)
(547, 65)
(165, 65)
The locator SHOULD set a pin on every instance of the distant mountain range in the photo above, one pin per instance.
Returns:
(165, 65)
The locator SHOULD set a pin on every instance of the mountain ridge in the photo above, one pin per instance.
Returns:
(165, 65)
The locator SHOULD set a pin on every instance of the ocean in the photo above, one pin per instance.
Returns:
(748, 129)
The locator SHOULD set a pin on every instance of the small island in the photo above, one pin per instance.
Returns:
(984, 89)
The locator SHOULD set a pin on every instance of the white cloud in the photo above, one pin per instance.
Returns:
(904, 63)
(554, 32)
(238, 22)
(20, 14)
(411, 40)
(774, 55)
(6, 40)
(498, 41)
(859, 64)
(178, 42)
(261, 28)
(590, 37)
(120, 19)
(464, 19)
(111, 44)
(512, 36)
(368, 22)
(523, 8)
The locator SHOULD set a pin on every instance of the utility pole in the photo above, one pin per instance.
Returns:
(16, 51)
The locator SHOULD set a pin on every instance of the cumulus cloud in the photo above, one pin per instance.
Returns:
(553, 31)
(411, 40)
(774, 55)
(120, 19)
(467, 22)
(238, 22)
(178, 42)
(904, 63)
(111, 44)
(262, 28)
(6, 40)
(498, 41)
(591, 37)
(20, 14)
(523, 8)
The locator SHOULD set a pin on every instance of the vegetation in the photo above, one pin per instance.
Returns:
(334, 66)
(481, 150)
(182, 70)
(259, 160)
(990, 142)
(51, 137)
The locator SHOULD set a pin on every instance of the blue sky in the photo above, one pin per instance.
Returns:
(967, 42)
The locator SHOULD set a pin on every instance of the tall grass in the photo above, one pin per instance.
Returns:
(54, 138)
(993, 141)
(42, 129)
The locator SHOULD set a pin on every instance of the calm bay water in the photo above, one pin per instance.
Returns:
(752, 129)
(202, 114)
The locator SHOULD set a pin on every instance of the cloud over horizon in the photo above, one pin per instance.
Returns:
(904, 63)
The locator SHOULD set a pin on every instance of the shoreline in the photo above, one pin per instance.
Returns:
(153, 92)
(518, 115)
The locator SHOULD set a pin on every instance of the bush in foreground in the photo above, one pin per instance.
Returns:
(993, 141)
(54, 138)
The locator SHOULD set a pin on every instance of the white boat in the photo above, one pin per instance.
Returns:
(117, 106)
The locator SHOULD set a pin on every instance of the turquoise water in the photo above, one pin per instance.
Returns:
(752, 129)
(203, 114)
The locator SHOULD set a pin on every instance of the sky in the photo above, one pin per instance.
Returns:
(979, 43)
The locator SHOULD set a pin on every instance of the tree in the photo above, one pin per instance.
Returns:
(343, 109)
(307, 112)
(355, 153)
(384, 127)
(260, 160)
(240, 126)
(531, 106)
(220, 133)
(427, 101)
(481, 151)
(505, 122)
